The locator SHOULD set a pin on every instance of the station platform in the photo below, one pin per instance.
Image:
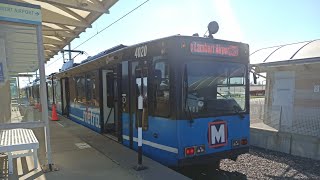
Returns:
(80, 153)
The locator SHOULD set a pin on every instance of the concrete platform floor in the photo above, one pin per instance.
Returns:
(80, 153)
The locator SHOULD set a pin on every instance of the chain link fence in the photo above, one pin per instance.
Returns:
(291, 119)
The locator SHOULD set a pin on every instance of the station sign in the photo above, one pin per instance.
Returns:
(202, 48)
(20, 13)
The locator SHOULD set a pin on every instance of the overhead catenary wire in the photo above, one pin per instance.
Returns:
(113, 23)
(134, 9)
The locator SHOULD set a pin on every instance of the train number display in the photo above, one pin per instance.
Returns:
(141, 51)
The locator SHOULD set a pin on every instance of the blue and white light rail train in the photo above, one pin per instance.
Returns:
(195, 97)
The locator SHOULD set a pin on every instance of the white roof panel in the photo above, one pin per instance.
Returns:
(285, 54)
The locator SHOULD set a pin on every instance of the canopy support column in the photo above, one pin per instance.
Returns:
(43, 97)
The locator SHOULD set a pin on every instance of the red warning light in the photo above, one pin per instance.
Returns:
(244, 141)
(189, 151)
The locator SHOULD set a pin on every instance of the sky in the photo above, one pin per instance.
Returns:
(259, 23)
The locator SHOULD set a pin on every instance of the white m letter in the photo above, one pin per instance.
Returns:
(217, 136)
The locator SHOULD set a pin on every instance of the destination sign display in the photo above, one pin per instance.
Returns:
(214, 49)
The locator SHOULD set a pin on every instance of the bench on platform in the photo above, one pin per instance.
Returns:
(14, 140)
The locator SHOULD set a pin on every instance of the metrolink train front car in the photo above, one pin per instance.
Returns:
(214, 110)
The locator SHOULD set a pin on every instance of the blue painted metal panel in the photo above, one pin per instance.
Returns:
(159, 155)
(86, 117)
(125, 128)
(198, 133)
(158, 138)
(180, 134)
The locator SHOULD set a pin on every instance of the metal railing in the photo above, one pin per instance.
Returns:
(290, 119)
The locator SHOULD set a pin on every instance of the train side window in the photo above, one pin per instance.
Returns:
(80, 89)
(89, 87)
(162, 89)
(72, 90)
(110, 90)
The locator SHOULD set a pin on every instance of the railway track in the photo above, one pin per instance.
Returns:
(261, 164)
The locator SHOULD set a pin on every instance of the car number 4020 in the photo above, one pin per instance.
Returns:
(141, 51)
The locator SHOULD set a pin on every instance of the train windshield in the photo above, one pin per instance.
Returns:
(215, 88)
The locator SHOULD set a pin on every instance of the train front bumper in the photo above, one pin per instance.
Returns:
(212, 158)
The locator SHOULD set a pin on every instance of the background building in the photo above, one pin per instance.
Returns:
(292, 94)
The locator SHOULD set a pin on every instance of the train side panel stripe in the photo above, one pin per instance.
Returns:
(74, 116)
(155, 145)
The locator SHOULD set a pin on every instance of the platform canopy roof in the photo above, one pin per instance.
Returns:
(62, 22)
(296, 53)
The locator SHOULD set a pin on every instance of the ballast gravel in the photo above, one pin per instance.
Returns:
(265, 164)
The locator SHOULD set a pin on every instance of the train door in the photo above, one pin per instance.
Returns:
(111, 111)
(139, 87)
(65, 96)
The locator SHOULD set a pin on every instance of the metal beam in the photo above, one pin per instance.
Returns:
(52, 48)
(56, 18)
(72, 13)
(57, 37)
(47, 40)
(63, 29)
(51, 53)
(60, 33)
(108, 4)
(48, 56)
(77, 4)
(97, 3)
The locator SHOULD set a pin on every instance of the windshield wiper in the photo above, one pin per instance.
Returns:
(186, 87)
(190, 115)
(237, 110)
(222, 95)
